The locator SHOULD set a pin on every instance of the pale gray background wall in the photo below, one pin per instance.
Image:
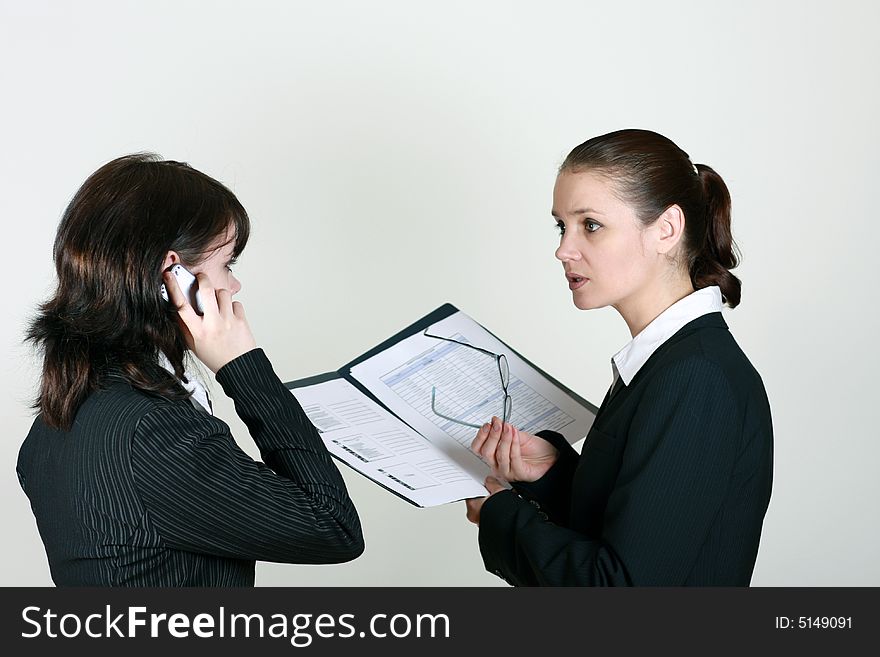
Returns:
(397, 155)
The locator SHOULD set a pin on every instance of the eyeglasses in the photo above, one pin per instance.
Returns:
(503, 372)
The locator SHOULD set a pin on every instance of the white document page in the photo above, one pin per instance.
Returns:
(466, 386)
(372, 441)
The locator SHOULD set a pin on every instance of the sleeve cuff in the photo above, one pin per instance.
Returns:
(552, 490)
(243, 369)
(251, 381)
(497, 523)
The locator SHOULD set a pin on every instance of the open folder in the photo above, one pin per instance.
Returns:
(405, 413)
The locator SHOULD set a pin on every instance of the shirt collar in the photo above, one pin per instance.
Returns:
(192, 383)
(628, 361)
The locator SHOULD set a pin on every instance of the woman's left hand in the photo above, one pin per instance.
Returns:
(512, 454)
(475, 504)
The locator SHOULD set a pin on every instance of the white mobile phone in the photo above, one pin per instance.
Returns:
(188, 284)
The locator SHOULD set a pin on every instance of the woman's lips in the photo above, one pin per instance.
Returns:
(575, 281)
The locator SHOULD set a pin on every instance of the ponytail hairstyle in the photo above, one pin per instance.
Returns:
(107, 316)
(650, 173)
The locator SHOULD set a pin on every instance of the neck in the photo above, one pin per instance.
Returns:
(643, 307)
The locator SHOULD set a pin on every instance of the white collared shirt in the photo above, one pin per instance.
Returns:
(199, 397)
(628, 361)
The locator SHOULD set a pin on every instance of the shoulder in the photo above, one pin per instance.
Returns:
(154, 431)
(119, 409)
(101, 436)
(705, 348)
(120, 402)
(111, 411)
(704, 362)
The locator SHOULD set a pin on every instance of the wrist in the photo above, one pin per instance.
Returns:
(228, 362)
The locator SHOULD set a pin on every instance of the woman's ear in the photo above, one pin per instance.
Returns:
(670, 225)
(171, 258)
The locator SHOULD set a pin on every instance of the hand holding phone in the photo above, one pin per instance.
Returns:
(188, 284)
(217, 336)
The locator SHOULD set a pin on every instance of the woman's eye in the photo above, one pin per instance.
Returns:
(561, 228)
(592, 226)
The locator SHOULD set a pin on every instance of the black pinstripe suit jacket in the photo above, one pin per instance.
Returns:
(144, 491)
(671, 486)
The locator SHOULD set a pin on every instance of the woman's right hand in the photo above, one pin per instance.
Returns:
(513, 455)
(222, 333)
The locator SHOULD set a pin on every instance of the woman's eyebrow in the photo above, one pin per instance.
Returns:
(578, 211)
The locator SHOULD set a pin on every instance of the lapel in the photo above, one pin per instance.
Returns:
(616, 387)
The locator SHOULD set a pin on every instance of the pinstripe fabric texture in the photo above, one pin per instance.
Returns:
(670, 488)
(144, 491)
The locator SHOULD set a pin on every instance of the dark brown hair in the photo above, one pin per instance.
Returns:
(107, 315)
(650, 173)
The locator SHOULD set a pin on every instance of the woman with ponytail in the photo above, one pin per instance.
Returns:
(674, 478)
(131, 478)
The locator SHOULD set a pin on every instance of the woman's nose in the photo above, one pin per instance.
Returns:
(567, 250)
(234, 284)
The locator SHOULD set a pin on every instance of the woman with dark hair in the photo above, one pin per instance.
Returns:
(132, 479)
(674, 477)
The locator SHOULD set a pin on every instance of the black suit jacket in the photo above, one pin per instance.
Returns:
(671, 486)
(143, 491)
